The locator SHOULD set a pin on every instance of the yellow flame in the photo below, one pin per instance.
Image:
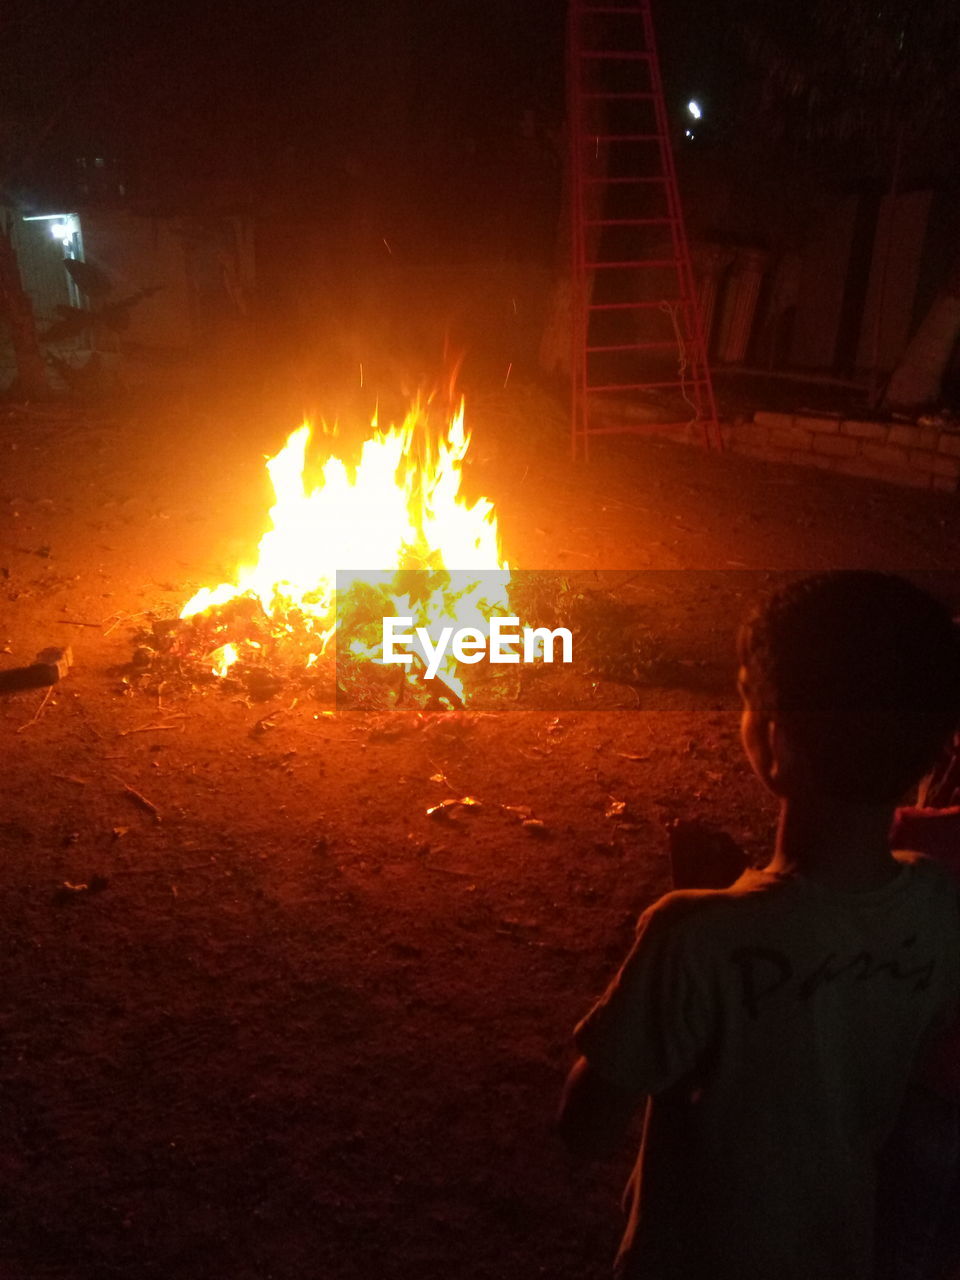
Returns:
(223, 659)
(400, 507)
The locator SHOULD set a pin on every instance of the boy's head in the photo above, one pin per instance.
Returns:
(859, 672)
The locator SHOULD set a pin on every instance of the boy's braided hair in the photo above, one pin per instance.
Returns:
(863, 671)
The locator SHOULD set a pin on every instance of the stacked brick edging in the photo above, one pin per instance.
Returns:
(900, 453)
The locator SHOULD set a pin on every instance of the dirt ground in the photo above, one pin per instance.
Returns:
(294, 1027)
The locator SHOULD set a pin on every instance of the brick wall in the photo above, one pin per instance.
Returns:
(922, 457)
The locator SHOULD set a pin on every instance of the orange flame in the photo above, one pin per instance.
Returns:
(399, 508)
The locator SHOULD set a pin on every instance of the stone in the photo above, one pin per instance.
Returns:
(864, 430)
(822, 425)
(890, 455)
(836, 446)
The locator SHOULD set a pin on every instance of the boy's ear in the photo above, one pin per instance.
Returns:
(757, 735)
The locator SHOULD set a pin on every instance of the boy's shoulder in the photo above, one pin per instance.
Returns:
(679, 906)
(767, 892)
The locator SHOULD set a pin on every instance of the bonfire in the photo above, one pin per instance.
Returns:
(391, 535)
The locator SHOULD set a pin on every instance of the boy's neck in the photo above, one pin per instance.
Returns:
(842, 846)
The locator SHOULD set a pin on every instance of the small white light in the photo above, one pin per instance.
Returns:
(60, 231)
(694, 108)
(688, 133)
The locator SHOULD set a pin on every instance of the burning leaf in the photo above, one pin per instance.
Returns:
(446, 808)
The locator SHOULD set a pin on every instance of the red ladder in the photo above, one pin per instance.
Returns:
(638, 341)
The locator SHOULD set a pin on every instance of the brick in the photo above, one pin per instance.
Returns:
(891, 455)
(764, 419)
(923, 460)
(50, 668)
(864, 430)
(944, 483)
(929, 437)
(790, 438)
(836, 446)
(913, 437)
(949, 443)
(943, 466)
(822, 425)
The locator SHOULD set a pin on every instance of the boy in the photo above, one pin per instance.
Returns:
(773, 1025)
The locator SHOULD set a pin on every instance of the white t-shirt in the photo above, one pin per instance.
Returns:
(775, 1025)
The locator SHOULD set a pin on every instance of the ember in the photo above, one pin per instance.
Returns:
(393, 535)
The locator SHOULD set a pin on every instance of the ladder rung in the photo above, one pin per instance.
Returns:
(609, 55)
(621, 96)
(629, 222)
(666, 345)
(647, 386)
(627, 266)
(634, 306)
(620, 137)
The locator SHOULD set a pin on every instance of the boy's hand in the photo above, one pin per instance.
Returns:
(702, 857)
(594, 1114)
(934, 832)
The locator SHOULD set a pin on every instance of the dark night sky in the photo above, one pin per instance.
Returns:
(183, 92)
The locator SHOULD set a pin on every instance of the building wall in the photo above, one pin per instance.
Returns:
(136, 253)
(822, 282)
(204, 270)
(904, 220)
(40, 259)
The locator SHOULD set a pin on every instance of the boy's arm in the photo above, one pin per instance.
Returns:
(594, 1113)
(645, 1033)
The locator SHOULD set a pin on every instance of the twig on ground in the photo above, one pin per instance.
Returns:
(39, 711)
(149, 728)
(118, 620)
(450, 871)
(140, 801)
